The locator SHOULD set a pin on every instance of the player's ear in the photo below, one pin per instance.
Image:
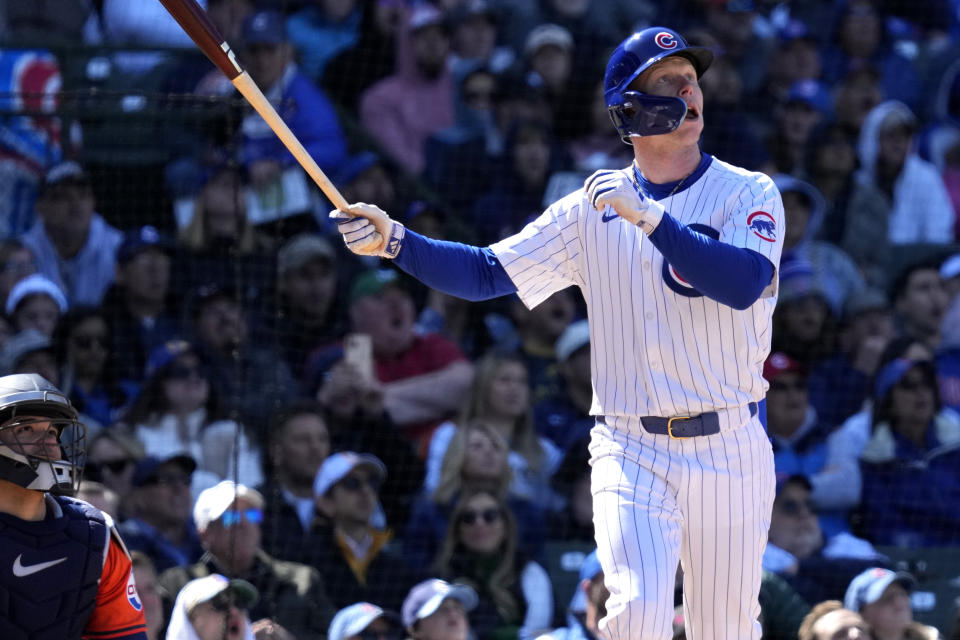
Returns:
(585, 587)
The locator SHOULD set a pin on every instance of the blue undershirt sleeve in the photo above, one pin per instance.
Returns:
(733, 276)
(461, 270)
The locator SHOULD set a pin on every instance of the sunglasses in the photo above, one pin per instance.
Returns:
(182, 372)
(913, 385)
(87, 342)
(796, 507)
(115, 467)
(366, 634)
(777, 385)
(353, 483)
(168, 481)
(489, 516)
(224, 601)
(232, 517)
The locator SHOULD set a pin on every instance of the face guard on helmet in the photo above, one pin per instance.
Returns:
(41, 440)
(637, 114)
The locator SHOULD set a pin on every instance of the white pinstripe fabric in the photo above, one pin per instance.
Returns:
(659, 348)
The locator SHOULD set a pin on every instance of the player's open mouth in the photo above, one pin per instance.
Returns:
(692, 112)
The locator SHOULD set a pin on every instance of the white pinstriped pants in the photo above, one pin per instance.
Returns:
(704, 502)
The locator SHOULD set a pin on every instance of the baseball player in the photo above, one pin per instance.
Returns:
(65, 573)
(676, 256)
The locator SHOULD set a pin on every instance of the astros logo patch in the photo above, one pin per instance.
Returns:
(763, 225)
(665, 40)
(673, 280)
(132, 596)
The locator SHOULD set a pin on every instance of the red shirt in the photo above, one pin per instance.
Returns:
(119, 611)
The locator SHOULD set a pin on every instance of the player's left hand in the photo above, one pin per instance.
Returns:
(615, 189)
(367, 230)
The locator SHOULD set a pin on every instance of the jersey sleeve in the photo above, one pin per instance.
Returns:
(542, 258)
(756, 222)
(119, 611)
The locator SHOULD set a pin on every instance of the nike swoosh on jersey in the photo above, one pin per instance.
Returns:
(21, 571)
(607, 217)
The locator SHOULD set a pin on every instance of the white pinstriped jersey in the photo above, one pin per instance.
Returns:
(658, 346)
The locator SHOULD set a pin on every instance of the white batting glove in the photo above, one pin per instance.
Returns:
(615, 189)
(367, 230)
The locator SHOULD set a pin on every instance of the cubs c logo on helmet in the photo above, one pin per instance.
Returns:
(763, 226)
(673, 280)
(666, 40)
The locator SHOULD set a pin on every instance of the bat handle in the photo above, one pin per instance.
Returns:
(246, 86)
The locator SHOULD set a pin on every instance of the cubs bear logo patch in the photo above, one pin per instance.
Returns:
(763, 226)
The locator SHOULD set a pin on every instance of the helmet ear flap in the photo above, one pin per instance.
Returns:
(640, 114)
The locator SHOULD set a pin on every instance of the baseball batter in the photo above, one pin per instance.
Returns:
(676, 256)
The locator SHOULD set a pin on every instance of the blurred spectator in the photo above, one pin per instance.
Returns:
(36, 303)
(99, 496)
(882, 597)
(564, 417)
(148, 589)
(112, 455)
(299, 442)
(213, 608)
(366, 177)
(31, 83)
(834, 272)
(781, 608)
(797, 60)
(831, 165)
(16, 263)
(516, 597)
(500, 397)
(899, 198)
(572, 520)
(548, 52)
(939, 142)
(476, 459)
(30, 351)
(734, 24)
(140, 305)
(158, 506)
(839, 384)
(302, 105)
(403, 109)
(424, 378)
(594, 25)
(588, 606)
(828, 620)
(804, 326)
(349, 552)
(854, 96)
(347, 76)
(920, 301)
(911, 463)
(307, 316)
(220, 245)
(323, 29)
(805, 107)
(248, 378)
(83, 346)
(228, 518)
(819, 567)
(803, 444)
(475, 27)
(733, 133)
(365, 621)
(598, 146)
(859, 41)
(537, 332)
(178, 411)
(517, 188)
(437, 610)
(72, 244)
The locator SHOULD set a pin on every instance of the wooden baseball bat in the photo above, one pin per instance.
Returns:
(198, 26)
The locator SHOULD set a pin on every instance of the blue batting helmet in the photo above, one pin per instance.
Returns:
(635, 113)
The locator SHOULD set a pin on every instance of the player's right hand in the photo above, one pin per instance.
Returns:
(367, 230)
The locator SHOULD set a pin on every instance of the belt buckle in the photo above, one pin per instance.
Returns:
(670, 427)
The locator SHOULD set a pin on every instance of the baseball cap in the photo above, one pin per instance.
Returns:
(892, 373)
(950, 268)
(264, 27)
(547, 34)
(209, 587)
(778, 363)
(214, 501)
(166, 353)
(425, 598)
(473, 8)
(573, 338)
(354, 166)
(372, 282)
(137, 240)
(425, 15)
(864, 300)
(68, 172)
(352, 620)
(302, 249)
(589, 569)
(811, 93)
(338, 465)
(33, 284)
(146, 468)
(868, 586)
(19, 345)
(796, 478)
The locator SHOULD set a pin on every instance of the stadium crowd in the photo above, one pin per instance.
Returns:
(348, 454)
